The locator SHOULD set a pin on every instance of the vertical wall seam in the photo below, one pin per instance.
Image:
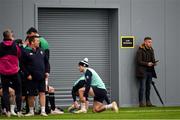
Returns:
(130, 17)
(22, 19)
(165, 61)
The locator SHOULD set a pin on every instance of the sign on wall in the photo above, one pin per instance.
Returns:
(127, 41)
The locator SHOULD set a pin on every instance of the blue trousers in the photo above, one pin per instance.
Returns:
(145, 85)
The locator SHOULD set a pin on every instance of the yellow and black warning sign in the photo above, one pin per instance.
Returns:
(127, 41)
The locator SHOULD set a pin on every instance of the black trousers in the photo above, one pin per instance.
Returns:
(14, 82)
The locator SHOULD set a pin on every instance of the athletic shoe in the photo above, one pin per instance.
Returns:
(56, 111)
(19, 114)
(13, 113)
(115, 107)
(72, 107)
(29, 114)
(8, 114)
(81, 111)
(43, 114)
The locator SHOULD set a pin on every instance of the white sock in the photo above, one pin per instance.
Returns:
(31, 110)
(83, 106)
(108, 106)
(42, 109)
(12, 108)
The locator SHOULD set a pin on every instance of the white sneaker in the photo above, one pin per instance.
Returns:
(115, 107)
(43, 114)
(81, 111)
(29, 114)
(71, 107)
(56, 111)
(19, 114)
(13, 113)
(8, 114)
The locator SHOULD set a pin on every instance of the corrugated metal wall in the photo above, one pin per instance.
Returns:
(72, 35)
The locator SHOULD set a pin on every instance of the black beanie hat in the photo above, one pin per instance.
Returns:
(84, 62)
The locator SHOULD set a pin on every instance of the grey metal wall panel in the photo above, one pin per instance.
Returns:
(72, 35)
(172, 45)
(147, 20)
(11, 16)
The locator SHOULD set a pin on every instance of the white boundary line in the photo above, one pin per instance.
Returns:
(178, 110)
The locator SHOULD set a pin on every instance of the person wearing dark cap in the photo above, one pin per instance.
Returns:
(9, 67)
(145, 62)
(94, 87)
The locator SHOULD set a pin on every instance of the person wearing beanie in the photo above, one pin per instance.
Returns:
(95, 87)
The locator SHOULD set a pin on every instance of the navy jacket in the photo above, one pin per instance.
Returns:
(35, 63)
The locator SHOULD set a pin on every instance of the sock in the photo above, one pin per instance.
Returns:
(108, 106)
(87, 105)
(43, 109)
(47, 109)
(31, 110)
(2, 103)
(107, 99)
(52, 100)
(83, 106)
(27, 105)
(12, 108)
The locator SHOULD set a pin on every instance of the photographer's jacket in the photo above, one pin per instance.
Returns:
(143, 57)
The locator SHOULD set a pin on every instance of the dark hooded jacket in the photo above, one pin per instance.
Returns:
(144, 55)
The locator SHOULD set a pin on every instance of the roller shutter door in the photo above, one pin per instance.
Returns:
(72, 35)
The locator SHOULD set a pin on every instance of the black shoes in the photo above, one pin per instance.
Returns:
(148, 104)
(141, 104)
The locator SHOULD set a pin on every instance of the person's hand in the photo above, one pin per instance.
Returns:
(76, 105)
(150, 64)
(29, 77)
(46, 75)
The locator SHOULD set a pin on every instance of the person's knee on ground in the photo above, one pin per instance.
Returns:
(96, 109)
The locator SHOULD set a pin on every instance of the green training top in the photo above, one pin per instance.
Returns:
(43, 43)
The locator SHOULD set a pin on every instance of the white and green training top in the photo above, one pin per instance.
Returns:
(95, 80)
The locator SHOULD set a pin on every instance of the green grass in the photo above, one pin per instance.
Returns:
(124, 113)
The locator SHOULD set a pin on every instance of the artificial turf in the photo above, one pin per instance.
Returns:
(124, 113)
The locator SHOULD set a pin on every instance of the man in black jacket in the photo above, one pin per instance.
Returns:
(145, 71)
(36, 69)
